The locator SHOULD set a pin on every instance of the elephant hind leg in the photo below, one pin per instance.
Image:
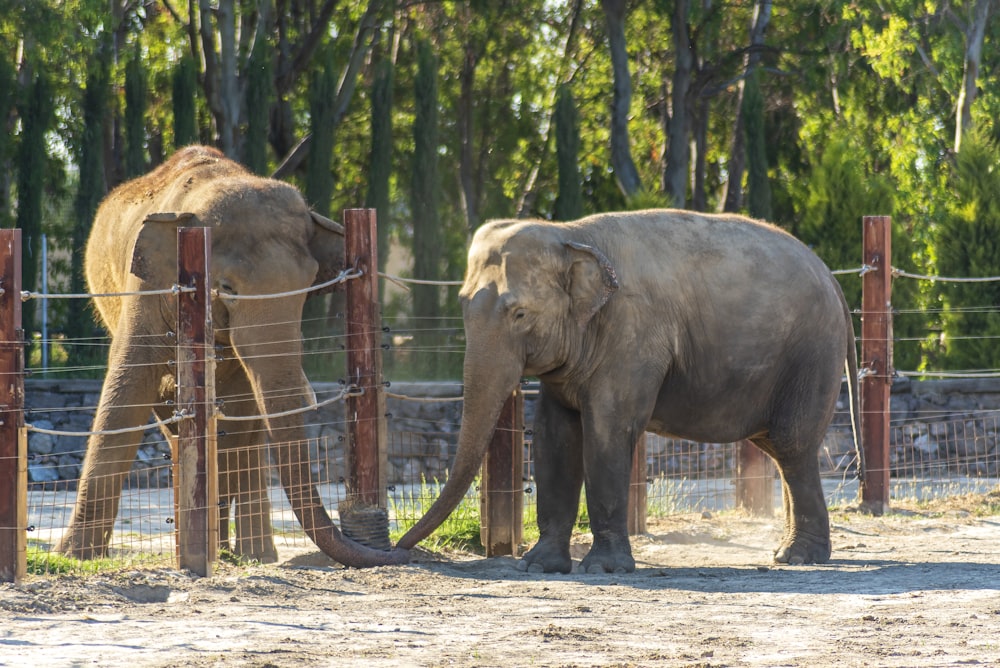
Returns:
(806, 538)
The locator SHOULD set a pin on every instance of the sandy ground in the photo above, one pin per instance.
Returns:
(913, 588)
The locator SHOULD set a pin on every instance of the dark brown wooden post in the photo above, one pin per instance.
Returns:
(876, 360)
(366, 479)
(13, 440)
(754, 480)
(196, 468)
(501, 498)
(637, 492)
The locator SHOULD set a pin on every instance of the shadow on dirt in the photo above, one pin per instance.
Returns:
(839, 576)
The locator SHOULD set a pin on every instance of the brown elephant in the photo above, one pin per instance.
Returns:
(265, 240)
(710, 328)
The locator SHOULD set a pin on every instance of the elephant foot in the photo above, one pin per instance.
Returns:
(79, 546)
(801, 548)
(546, 558)
(610, 553)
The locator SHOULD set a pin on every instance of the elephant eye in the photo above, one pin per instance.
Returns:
(520, 313)
(226, 288)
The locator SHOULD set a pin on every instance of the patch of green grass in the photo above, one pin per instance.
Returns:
(460, 531)
(43, 562)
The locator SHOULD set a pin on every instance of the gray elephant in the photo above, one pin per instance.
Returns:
(265, 240)
(710, 328)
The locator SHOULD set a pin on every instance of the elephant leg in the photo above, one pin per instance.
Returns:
(245, 466)
(127, 400)
(248, 478)
(558, 460)
(806, 538)
(608, 467)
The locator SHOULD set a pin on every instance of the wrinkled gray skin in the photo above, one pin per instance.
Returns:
(264, 241)
(710, 328)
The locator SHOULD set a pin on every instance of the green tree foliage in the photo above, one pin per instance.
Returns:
(183, 86)
(860, 107)
(840, 192)
(569, 202)
(36, 114)
(969, 246)
(136, 91)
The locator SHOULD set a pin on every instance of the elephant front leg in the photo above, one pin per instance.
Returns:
(608, 465)
(126, 400)
(556, 448)
(244, 468)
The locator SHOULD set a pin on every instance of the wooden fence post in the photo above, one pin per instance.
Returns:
(637, 491)
(502, 495)
(876, 360)
(196, 468)
(13, 440)
(368, 436)
(754, 480)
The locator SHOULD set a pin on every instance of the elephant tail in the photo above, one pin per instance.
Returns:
(853, 392)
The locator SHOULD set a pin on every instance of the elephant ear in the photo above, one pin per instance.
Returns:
(327, 247)
(158, 231)
(591, 280)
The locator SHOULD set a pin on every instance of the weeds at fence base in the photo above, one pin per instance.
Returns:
(42, 561)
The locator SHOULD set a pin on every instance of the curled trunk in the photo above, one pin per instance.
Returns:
(479, 417)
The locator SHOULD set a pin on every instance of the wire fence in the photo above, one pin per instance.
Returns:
(952, 449)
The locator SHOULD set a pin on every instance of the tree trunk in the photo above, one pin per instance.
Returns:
(737, 159)
(621, 150)
(675, 174)
(974, 36)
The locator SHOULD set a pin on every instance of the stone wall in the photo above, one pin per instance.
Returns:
(948, 423)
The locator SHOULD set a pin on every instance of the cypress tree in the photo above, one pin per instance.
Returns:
(428, 237)
(136, 90)
(380, 167)
(968, 245)
(37, 113)
(322, 97)
(569, 201)
(8, 101)
(260, 85)
(184, 82)
(91, 189)
(758, 186)
(319, 192)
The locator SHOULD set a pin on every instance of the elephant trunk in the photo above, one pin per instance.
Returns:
(292, 457)
(479, 416)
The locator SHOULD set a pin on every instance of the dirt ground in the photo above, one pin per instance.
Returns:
(913, 588)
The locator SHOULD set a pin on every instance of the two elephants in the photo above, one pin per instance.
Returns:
(711, 328)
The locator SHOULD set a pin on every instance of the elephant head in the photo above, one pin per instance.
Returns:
(265, 241)
(528, 296)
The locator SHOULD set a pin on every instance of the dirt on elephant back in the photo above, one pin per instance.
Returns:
(917, 587)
